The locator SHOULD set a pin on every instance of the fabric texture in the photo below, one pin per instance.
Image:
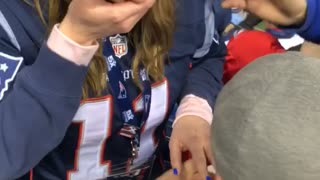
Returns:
(245, 47)
(70, 50)
(266, 121)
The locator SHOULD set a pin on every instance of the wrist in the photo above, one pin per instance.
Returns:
(76, 32)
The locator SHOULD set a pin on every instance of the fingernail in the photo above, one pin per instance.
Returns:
(175, 171)
(208, 178)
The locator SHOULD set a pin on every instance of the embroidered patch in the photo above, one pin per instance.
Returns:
(9, 67)
(119, 45)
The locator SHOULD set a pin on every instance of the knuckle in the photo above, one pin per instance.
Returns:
(116, 18)
(200, 159)
(194, 138)
(125, 27)
(172, 144)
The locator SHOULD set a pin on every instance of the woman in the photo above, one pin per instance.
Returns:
(71, 111)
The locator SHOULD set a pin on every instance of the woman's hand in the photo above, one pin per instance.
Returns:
(188, 172)
(87, 21)
(191, 133)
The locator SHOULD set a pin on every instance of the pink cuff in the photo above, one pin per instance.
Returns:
(70, 50)
(194, 106)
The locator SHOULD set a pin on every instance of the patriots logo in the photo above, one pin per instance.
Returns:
(9, 67)
(143, 74)
(128, 115)
(123, 91)
(111, 62)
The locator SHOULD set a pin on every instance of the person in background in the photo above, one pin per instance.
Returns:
(300, 15)
(253, 22)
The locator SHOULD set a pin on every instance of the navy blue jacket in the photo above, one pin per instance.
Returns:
(310, 30)
(40, 92)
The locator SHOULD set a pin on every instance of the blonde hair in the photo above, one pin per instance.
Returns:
(151, 37)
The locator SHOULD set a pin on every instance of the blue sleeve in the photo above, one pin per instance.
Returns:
(37, 108)
(310, 30)
(223, 16)
(204, 80)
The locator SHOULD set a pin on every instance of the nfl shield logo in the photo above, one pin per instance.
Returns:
(119, 45)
